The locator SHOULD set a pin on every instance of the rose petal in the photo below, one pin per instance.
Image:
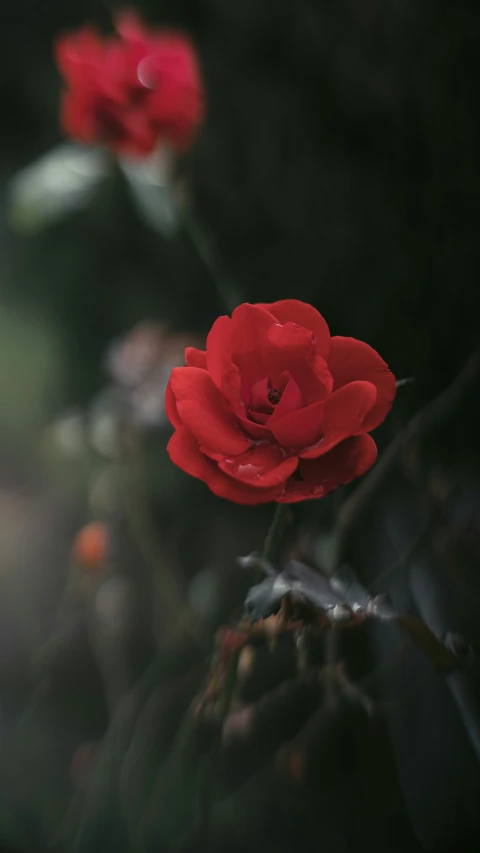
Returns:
(259, 401)
(350, 459)
(291, 398)
(258, 417)
(185, 453)
(301, 428)
(171, 410)
(252, 428)
(317, 385)
(204, 411)
(350, 360)
(196, 357)
(224, 372)
(129, 25)
(292, 348)
(264, 465)
(75, 52)
(249, 347)
(291, 337)
(347, 460)
(252, 347)
(344, 415)
(305, 315)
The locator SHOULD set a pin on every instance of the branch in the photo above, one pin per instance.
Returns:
(419, 425)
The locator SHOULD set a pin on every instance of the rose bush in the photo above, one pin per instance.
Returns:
(130, 90)
(275, 409)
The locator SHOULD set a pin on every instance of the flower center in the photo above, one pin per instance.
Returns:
(273, 395)
(109, 126)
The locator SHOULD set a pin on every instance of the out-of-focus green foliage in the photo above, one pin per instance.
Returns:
(31, 372)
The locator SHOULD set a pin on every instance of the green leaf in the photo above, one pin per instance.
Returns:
(150, 187)
(59, 183)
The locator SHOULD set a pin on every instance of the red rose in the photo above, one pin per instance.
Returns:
(276, 409)
(130, 90)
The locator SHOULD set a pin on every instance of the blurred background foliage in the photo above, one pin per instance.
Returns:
(339, 163)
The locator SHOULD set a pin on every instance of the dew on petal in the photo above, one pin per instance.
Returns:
(262, 461)
(145, 73)
(309, 447)
(243, 470)
(317, 443)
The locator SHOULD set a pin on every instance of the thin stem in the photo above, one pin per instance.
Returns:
(420, 425)
(273, 542)
(135, 506)
(271, 553)
(227, 291)
(404, 558)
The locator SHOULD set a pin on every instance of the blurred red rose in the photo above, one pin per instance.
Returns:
(131, 90)
(276, 409)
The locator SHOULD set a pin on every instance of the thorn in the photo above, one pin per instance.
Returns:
(402, 382)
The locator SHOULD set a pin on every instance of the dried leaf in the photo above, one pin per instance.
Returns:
(428, 643)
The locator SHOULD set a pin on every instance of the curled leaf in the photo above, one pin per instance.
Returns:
(343, 601)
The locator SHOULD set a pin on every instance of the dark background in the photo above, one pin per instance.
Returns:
(340, 164)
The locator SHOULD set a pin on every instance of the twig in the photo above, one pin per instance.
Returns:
(404, 558)
(419, 425)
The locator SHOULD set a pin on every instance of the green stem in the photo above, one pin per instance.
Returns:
(227, 291)
(273, 542)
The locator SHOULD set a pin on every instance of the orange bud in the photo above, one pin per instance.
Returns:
(296, 766)
(91, 545)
